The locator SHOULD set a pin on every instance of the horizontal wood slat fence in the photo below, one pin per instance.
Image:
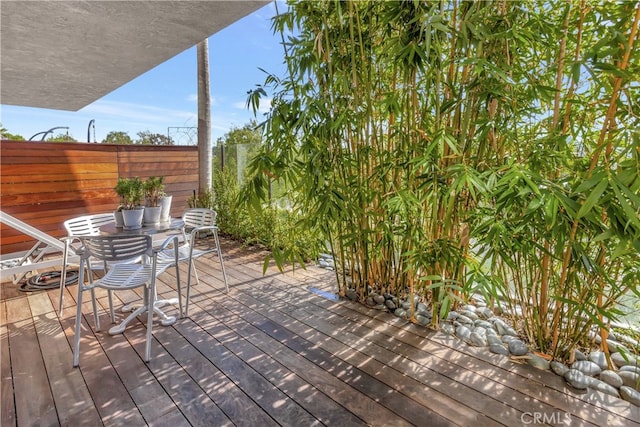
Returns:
(46, 183)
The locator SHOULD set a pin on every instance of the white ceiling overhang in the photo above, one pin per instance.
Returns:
(65, 55)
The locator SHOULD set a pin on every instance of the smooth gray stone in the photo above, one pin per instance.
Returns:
(422, 308)
(448, 328)
(478, 339)
(538, 362)
(616, 346)
(492, 332)
(501, 327)
(603, 387)
(599, 358)
(508, 338)
(370, 302)
(470, 314)
(631, 368)
(464, 320)
(469, 307)
(611, 378)
(494, 339)
(379, 299)
(422, 320)
(558, 368)
(498, 349)
(483, 324)
(630, 379)
(453, 315)
(576, 379)
(463, 333)
(587, 367)
(579, 355)
(630, 395)
(390, 304)
(406, 305)
(518, 348)
(400, 312)
(352, 295)
(620, 360)
(484, 313)
(380, 307)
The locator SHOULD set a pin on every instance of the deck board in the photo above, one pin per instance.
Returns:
(270, 352)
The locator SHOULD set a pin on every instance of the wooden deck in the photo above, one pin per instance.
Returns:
(271, 352)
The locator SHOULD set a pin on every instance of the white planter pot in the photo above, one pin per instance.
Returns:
(117, 216)
(132, 218)
(165, 204)
(151, 215)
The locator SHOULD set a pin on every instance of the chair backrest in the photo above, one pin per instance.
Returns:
(87, 225)
(198, 217)
(116, 248)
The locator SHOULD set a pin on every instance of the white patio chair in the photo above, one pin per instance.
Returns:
(120, 276)
(196, 221)
(86, 225)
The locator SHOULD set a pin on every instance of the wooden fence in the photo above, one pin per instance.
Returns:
(44, 184)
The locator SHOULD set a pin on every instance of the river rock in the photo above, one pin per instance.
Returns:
(493, 339)
(463, 333)
(448, 328)
(599, 358)
(630, 379)
(478, 338)
(538, 362)
(587, 367)
(484, 313)
(630, 395)
(603, 387)
(421, 308)
(370, 302)
(379, 299)
(620, 360)
(390, 304)
(518, 348)
(483, 324)
(579, 355)
(631, 368)
(406, 305)
(380, 307)
(558, 368)
(498, 349)
(453, 315)
(400, 312)
(503, 328)
(352, 295)
(422, 320)
(576, 379)
(615, 346)
(611, 378)
(470, 314)
(464, 320)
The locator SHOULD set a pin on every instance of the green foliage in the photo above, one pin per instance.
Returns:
(130, 191)
(153, 188)
(5, 134)
(117, 137)
(449, 148)
(273, 228)
(61, 137)
(149, 138)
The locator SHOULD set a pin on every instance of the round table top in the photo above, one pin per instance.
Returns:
(161, 227)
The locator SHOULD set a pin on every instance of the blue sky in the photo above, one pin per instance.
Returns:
(166, 95)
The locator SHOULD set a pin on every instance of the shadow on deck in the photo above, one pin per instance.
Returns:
(271, 352)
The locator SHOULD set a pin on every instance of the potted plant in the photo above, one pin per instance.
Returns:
(131, 192)
(153, 191)
(121, 190)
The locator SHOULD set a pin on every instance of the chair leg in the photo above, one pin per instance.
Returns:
(76, 339)
(188, 296)
(96, 316)
(224, 273)
(63, 277)
(151, 291)
(179, 284)
(111, 312)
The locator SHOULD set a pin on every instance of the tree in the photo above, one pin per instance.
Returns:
(148, 138)
(5, 134)
(61, 137)
(117, 137)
